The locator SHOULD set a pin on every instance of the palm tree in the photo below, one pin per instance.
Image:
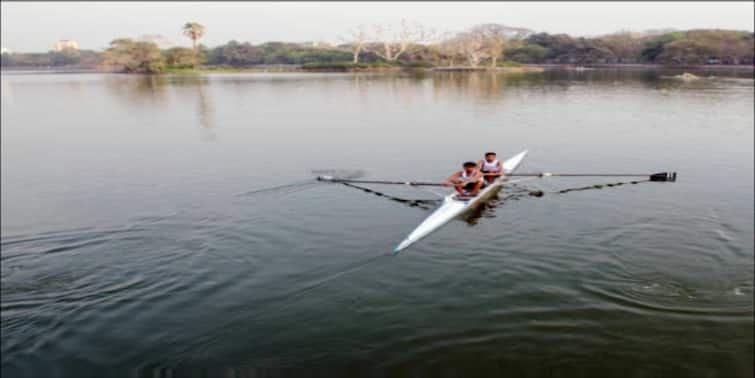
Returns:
(194, 31)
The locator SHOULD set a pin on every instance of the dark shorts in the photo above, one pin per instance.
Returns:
(489, 178)
(470, 186)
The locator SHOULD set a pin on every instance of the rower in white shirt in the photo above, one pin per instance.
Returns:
(490, 167)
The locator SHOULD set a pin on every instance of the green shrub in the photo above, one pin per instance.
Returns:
(380, 64)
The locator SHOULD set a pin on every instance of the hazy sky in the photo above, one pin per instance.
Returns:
(36, 26)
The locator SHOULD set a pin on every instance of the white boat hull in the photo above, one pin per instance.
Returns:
(452, 207)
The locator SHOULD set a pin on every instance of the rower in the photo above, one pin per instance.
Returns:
(490, 167)
(467, 181)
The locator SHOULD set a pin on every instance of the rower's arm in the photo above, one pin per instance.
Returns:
(451, 179)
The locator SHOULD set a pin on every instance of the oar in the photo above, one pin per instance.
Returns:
(414, 183)
(422, 203)
(661, 177)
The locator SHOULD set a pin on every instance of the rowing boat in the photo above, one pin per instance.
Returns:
(453, 206)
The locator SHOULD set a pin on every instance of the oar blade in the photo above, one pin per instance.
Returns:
(336, 174)
(663, 177)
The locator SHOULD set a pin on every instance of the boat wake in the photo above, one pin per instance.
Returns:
(283, 189)
(299, 186)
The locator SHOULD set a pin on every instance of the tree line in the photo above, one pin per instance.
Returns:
(411, 44)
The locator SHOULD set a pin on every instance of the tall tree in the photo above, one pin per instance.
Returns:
(624, 44)
(194, 31)
(131, 56)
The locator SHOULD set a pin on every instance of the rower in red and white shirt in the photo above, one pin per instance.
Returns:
(467, 181)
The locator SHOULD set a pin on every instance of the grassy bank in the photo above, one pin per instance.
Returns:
(349, 67)
(309, 67)
(373, 66)
(228, 69)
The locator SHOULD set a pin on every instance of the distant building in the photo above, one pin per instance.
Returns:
(66, 44)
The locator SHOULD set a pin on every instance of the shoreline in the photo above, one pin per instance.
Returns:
(741, 67)
(529, 68)
(280, 69)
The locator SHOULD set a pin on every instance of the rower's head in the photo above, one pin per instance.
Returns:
(490, 157)
(470, 166)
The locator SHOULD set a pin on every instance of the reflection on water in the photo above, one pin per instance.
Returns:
(204, 111)
(138, 90)
(157, 90)
(174, 221)
(7, 93)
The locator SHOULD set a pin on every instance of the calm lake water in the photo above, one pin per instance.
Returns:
(143, 234)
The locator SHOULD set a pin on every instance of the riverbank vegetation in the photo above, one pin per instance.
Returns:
(410, 46)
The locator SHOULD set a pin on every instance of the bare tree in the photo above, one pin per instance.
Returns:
(472, 45)
(496, 38)
(450, 47)
(357, 39)
(389, 44)
(494, 46)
